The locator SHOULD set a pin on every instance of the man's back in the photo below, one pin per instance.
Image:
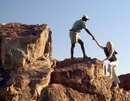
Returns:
(79, 25)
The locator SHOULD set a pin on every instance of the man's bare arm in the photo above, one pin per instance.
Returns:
(89, 32)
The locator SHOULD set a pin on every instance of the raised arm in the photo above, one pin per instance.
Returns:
(89, 32)
(98, 44)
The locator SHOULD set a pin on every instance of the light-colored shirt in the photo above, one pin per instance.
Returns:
(79, 25)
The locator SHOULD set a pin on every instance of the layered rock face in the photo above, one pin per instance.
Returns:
(25, 52)
(31, 74)
(22, 44)
(82, 80)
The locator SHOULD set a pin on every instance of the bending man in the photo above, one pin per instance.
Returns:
(74, 35)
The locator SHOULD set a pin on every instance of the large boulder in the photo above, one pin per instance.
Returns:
(82, 80)
(83, 75)
(25, 83)
(125, 81)
(22, 43)
(57, 92)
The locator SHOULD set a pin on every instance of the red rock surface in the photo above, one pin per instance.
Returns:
(16, 30)
(69, 80)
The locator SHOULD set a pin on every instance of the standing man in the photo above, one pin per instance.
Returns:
(74, 35)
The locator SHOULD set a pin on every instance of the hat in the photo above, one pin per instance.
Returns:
(85, 16)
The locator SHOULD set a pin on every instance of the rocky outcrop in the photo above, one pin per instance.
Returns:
(58, 92)
(25, 83)
(22, 43)
(83, 75)
(79, 80)
(29, 73)
(125, 81)
(25, 54)
(82, 80)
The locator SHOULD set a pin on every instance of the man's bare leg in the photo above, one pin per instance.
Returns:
(82, 48)
(72, 50)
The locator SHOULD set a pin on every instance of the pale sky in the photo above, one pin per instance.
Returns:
(109, 21)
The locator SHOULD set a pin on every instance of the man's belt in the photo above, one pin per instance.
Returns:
(72, 30)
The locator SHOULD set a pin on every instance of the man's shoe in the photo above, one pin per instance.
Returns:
(72, 60)
(86, 57)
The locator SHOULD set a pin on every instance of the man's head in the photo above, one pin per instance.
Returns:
(85, 18)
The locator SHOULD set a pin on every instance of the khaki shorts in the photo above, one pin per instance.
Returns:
(74, 37)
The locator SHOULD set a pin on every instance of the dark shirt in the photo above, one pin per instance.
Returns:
(113, 58)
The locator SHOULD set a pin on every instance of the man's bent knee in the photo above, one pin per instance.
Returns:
(80, 42)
